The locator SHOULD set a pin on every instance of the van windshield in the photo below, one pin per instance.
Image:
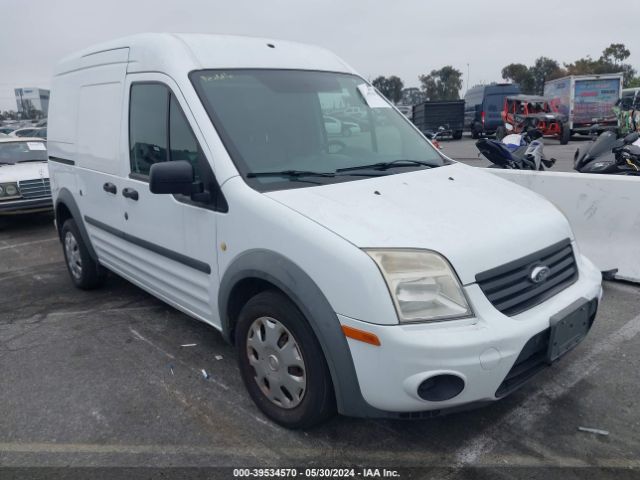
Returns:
(291, 128)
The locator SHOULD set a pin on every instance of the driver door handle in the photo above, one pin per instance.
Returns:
(110, 188)
(130, 193)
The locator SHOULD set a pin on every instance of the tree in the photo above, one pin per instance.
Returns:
(443, 84)
(611, 61)
(615, 53)
(412, 96)
(390, 87)
(542, 70)
(520, 74)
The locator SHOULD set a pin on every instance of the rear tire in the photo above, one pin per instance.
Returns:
(565, 134)
(294, 393)
(84, 271)
(457, 135)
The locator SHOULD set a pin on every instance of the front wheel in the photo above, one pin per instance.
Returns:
(85, 272)
(281, 362)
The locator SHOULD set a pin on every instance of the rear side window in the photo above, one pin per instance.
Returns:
(158, 130)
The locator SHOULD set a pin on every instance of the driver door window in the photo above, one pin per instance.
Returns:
(158, 130)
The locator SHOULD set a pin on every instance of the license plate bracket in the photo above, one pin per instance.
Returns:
(568, 328)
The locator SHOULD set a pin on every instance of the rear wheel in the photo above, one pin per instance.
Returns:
(85, 272)
(457, 135)
(281, 362)
(475, 133)
(565, 134)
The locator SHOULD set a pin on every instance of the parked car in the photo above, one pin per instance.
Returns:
(24, 132)
(368, 274)
(333, 126)
(483, 107)
(24, 176)
(6, 130)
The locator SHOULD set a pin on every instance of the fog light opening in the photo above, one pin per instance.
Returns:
(440, 388)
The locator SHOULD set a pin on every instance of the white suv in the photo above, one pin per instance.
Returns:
(365, 273)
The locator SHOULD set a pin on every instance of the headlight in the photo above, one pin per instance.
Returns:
(423, 286)
(9, 190)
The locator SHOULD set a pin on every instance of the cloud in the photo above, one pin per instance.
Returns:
(404, 37)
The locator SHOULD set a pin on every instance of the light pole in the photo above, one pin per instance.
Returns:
(467, 77)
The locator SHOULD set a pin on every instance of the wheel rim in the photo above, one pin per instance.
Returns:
(72, 252)
(277, 361)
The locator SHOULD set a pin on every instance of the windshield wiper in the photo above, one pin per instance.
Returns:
(295, 174)
(387, 165)
(291, 174)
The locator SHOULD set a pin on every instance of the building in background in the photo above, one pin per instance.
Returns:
(32, 102)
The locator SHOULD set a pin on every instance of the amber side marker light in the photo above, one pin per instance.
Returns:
(361, 335)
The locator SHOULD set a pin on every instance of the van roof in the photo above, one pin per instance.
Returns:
(180, 53)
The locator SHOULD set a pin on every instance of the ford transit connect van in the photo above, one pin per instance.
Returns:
(364, 273)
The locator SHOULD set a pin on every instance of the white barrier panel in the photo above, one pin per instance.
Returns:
(604, 212)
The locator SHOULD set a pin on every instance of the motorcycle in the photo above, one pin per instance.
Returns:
(608, 154)
(527, 156)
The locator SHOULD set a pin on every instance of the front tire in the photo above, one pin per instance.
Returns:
(85, 272)
(281, 362)
(565, 134)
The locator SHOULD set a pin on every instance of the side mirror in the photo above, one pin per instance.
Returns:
(174, 178)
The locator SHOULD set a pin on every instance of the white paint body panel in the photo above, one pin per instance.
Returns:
(23, 171)
(476, 222)
(473, 218)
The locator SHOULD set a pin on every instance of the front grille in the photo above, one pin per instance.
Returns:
(37, 188)
(510, 289)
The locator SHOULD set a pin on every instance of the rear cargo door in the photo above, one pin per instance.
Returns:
(595, 99)
(492, 110)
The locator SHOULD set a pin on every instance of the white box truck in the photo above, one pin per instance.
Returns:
(586, 100)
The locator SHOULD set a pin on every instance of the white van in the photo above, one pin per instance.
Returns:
(365, 273)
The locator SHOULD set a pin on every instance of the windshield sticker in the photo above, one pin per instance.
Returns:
(371, 96)
(36, 146)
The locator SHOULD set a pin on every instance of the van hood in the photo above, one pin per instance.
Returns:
(23, 171)
(475, 219)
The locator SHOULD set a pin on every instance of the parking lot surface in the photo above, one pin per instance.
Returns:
(102, 378)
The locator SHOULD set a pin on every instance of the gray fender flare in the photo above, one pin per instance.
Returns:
(307, 296)
(65, 197)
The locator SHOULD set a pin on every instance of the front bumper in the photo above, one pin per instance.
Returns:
(480, 350)
(16, 207)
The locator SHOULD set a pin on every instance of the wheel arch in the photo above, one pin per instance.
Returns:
(66, 208)
(257, 270)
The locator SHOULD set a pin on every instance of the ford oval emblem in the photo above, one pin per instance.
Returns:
(539, 273)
